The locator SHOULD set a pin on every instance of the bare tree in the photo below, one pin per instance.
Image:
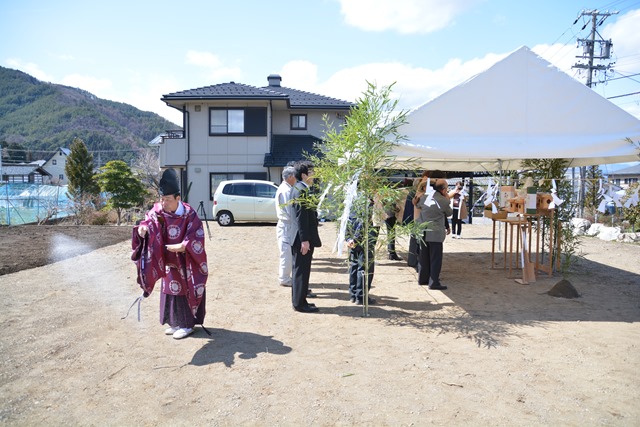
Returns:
(147, 168)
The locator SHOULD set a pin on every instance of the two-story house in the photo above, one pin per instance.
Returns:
(625, 177)
(238, 131)
(55, 166)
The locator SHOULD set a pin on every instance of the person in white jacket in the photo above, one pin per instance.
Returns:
(284, 224)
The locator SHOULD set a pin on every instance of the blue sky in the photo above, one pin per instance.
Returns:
(135, 51)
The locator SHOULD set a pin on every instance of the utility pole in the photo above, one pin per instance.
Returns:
(589, 44)
(589, 53)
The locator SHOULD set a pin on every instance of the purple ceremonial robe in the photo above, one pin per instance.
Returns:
(185, 273)
(150, 269)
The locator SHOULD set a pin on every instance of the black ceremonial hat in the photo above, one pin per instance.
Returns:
(169, 184)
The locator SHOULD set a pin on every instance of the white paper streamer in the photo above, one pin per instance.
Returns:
(351, 190)
(556, 200)
(490, 193)
(605, 194)
(602, 206)
(324, 194)
(429, 191)
(615, 197)
(633, 200)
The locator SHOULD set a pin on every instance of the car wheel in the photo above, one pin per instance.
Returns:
(225, 218)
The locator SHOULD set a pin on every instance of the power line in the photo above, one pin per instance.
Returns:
(624, 77)
(626, 94)
(629, 7)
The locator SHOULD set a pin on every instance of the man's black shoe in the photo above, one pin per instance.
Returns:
(371, 301)
(352, 299)
(394, 257)
(307, 309)
(438, 288)
(311, 294)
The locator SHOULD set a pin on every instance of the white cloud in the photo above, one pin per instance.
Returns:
(29, 68)
(403, 16)
(203, 59)
(626, 39)
(141, 91)
(299, 74)
(413, 85)
(64, 57)
(216, 70)
(97, 86)
(144, 90)
(145, 94)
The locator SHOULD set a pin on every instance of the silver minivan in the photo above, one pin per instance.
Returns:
(245, 200)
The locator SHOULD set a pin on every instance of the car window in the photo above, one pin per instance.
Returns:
(266, 191)
(227, 189)
(242, 189)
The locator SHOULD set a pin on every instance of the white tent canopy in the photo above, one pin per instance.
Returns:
(521, 108)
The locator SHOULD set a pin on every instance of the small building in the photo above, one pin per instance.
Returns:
(237, 131)
(625, 177)
(55, 166)
(24, 173)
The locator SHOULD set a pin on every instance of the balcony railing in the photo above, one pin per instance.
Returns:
(174, 134)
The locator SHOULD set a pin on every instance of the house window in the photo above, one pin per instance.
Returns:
(216, 178)
(298, 122)
(54, 162)
(61, 177)
(238, 121)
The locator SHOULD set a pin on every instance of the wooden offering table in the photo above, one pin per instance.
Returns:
(531, 223)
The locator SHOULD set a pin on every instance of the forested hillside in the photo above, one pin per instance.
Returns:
(39, 117)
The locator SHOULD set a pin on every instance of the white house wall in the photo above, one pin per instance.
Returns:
(173, 152)
(315, 122)
(57, 169)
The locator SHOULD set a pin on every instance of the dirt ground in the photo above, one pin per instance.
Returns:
(31, 246)
(487, 351)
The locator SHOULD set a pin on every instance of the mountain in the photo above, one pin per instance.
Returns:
(40, 117)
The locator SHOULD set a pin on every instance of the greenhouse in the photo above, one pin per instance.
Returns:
(24, 203)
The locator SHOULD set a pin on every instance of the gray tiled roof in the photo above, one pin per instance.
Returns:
(13, 170)
(232, 90)
(631, 170)
(302, 99)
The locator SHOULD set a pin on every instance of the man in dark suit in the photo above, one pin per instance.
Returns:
(304, 236)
